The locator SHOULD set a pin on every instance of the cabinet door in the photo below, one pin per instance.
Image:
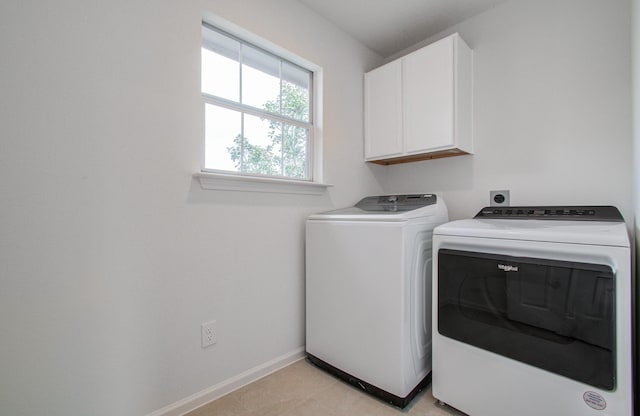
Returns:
(383, 112)
(428, 90)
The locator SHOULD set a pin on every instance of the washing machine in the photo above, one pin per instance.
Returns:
(532, 312)
(368, 293)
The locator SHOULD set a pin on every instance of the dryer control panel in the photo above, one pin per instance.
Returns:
(566, 213)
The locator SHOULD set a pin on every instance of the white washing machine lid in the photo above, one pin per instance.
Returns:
(538, 227)
(388, 208)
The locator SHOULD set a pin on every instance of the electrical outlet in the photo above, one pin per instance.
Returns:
(209, 333)
(499, 198)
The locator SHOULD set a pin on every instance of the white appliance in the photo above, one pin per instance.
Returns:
(368, 293)
(532, 313)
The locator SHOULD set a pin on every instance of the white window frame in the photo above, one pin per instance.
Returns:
(241, 181)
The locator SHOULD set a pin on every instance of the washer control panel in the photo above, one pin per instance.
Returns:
(396, 203)
(567, 213)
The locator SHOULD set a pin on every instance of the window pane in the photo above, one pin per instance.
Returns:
(260, 80)
(223, 145)
(262, 146)
(295, 151)
(244, 88)
(220, 65)
(296, 84)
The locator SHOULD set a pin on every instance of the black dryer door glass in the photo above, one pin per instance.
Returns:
(554, 315)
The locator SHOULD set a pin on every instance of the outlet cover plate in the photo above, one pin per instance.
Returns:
(209, 333)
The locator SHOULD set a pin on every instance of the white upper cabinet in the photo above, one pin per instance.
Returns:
(383, 102)
(428, 91)
(420, 106)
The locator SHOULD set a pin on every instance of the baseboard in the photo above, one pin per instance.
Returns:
(216, 391)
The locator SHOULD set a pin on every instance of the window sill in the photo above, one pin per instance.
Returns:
(226, 182)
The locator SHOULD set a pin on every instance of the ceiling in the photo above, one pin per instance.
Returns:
(389, 26)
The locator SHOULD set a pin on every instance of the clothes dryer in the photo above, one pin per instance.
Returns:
(532, 312)
(368, 292)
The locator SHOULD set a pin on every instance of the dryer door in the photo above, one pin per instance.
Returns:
(555, 315)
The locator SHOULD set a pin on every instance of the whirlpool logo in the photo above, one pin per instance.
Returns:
(508, 267)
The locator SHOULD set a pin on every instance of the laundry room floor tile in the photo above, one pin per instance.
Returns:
(301, 389)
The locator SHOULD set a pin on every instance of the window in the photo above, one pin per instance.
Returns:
(258, 110)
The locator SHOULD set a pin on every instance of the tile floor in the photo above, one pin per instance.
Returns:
(302, 389)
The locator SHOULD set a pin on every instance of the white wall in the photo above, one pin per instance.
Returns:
(110, 253)
(552, 110)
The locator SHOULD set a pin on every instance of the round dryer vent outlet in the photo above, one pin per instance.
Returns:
(499, 198)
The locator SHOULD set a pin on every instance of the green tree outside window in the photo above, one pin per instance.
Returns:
(286, 154)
